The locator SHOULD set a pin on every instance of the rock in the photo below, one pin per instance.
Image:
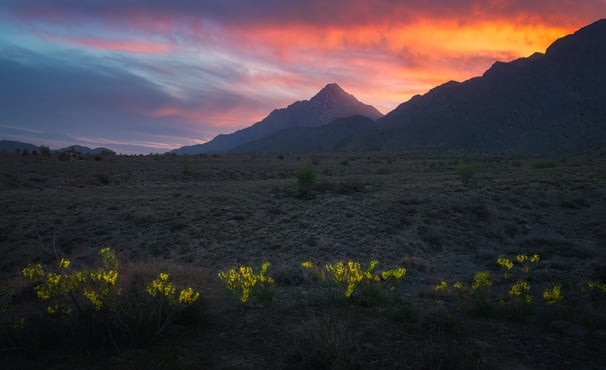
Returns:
(568, 328)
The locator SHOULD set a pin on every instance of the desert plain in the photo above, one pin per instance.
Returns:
(198, 215)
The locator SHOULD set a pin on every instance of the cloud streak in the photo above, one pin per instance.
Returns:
(187, 70)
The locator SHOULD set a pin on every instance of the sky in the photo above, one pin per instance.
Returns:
(148, 76)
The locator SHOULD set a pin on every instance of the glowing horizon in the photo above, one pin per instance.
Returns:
(166, 74)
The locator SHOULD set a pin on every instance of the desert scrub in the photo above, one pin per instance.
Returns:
(243, 281)
(467, 173)
(349, 277)
(163, 288)
(306, 179)
(595, 291)
(594, 286)
(553, 295)
(65, 289)
(478, 294)
(519, 296)
(93, 307)
(148, 317)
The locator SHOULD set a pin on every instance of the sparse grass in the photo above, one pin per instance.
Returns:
(325, 343)
(229, 212)
(541, 164)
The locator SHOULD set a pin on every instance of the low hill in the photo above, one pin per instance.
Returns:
(11, 146)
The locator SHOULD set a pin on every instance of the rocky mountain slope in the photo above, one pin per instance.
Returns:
(331, 103)
(550, 102)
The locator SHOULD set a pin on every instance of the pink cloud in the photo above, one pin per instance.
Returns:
(143, 47)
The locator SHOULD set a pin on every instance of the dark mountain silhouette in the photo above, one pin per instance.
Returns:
(86, 150)
(353, 133)
(552, 102)
(330, 103)
(546, 103)
(12, 146)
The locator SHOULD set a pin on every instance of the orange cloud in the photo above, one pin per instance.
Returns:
(228, 118)
(397, 61)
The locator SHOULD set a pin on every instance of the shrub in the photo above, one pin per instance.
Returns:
(91, 307)
(187, 169)
(553, 295)
(520, 297)
(467, 172)
(479, 294)
(104, 178)
(306, 179)
(243, 280)
(347, 278)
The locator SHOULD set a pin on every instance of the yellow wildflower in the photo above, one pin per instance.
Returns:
(441, 288)
(188, 296)
(481, 280)
(64, 263)
(552, 295)
(33, 272)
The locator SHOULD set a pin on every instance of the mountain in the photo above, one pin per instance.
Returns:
(86, 150)
(11, 146)
(546, 103)
(543, 104)
(331, 103)
(353, 133)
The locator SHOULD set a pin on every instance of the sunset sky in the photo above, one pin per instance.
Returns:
(143, 76)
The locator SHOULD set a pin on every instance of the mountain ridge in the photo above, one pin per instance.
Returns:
(11, 146)
(546, 103)
(330, 103)
(542, 103)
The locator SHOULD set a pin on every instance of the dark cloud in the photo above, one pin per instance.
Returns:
(60, 101)
(313, 12)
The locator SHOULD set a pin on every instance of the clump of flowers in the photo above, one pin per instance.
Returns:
(552, 295)
(594, 286)
(349, 276)
(522, 263)
(98, 287)
(101, 308)
(479, 293)
(162, 287)
(102, 287)
(516, 270)
(243, 280)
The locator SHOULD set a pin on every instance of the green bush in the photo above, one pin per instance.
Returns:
(467, 172)
(104, 178)
(306, 179)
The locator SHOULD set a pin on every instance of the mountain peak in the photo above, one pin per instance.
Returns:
(330, 103)
(332, 90)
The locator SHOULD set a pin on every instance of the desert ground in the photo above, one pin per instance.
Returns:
(199, 215)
